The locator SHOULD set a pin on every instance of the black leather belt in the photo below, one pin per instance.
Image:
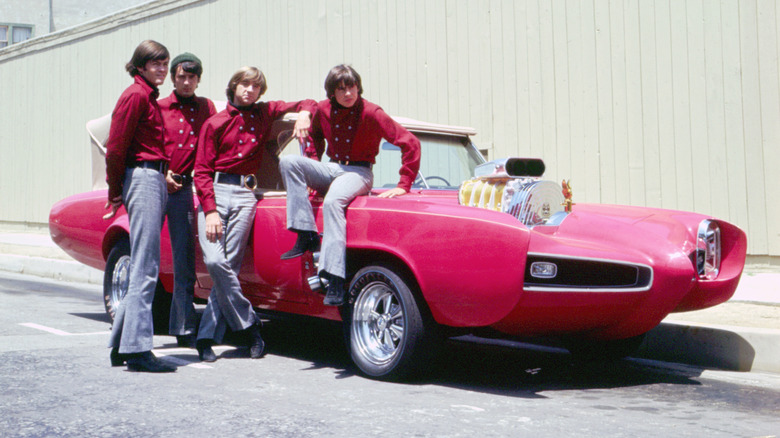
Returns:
(248, 181)
(182, 179)
(160, 166)
(366, 164)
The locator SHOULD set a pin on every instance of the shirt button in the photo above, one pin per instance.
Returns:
(251, 129)
(181, 120)
(347, 140)
(336, 139)
(192, 120)
(254, 140)
(252, 116)
(181, 131)
(240, 128)
(241, 142)
(180, 145)
(335, 111)
(349, 127)
(192, 109)
(337, 126)
(240, 155)
(192, 145)
(192, 132)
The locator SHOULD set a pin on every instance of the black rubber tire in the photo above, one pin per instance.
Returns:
(119, 258)
(381, 292)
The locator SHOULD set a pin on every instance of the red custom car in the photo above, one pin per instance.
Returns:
(475, 246)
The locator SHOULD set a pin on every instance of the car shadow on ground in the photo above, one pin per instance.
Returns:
(511, 369)
(97, 316)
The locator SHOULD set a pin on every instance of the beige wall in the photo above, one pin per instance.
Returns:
(666, 103)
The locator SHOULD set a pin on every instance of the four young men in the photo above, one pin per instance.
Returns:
(154, 148)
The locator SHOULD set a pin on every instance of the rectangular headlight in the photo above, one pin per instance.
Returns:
(544, 270)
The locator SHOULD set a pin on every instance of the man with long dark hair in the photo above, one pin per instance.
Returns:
(136, 164)
(353, 128)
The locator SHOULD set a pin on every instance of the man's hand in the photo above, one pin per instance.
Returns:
(302, 125)
(213, 226)
(173, 186)
(114, 205)
(392, 193)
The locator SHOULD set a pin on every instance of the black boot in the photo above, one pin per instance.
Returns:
(148, 363)
(307, 241)
(256, 345)
(117, 359)
(335, 291)
(205, 353)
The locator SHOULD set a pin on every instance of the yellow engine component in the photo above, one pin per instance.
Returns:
(483, 193)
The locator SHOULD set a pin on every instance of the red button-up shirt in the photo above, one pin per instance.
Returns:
(230, 142)
(136, 132)
(183, 118)
(355, 134)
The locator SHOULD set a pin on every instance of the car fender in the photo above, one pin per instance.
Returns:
(443, 246)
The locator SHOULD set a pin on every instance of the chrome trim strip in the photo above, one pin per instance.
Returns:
(590, 289)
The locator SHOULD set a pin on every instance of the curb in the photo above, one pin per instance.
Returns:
(61, 270)
(714, 346)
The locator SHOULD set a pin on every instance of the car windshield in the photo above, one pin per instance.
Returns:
(446, 161)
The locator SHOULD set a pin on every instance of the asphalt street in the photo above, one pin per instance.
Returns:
(56, 380)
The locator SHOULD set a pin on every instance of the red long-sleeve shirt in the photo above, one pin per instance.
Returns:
(230, 142)
(136, 132)
(355, 134)
(183, 118)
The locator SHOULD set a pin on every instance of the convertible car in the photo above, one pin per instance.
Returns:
(475, 247)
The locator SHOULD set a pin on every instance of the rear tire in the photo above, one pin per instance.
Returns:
(115, 281)
(387, 336)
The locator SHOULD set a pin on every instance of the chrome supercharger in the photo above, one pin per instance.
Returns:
(515, 186)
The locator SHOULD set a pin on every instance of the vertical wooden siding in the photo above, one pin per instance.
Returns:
(662, 103)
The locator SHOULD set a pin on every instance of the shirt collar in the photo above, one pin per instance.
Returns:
(192, 100)
(357, 106)
(147, 86)
(233, 110)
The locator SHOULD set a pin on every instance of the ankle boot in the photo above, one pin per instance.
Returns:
(205, 353)
(257, 345)
(306, 241)
(147, 362)
(117, 359)
(335, 291)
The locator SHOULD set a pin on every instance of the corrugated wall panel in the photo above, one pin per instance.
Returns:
(660, 102)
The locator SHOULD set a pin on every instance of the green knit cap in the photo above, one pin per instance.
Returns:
(184, 57)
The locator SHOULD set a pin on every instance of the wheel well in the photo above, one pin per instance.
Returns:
(113, 235)
(358, 259)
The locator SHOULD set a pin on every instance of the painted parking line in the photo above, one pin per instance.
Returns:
(163, 354)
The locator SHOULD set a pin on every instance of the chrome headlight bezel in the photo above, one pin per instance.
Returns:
(708, 250)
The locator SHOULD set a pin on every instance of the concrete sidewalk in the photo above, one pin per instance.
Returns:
(742, 334)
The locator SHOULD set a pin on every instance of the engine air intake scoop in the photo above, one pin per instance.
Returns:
(511, 167)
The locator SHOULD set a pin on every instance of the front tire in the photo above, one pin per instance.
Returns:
(386, 333)
(116, 279)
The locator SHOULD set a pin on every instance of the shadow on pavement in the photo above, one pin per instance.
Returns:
(518, 371)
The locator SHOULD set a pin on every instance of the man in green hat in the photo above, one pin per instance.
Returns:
(183, 115)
